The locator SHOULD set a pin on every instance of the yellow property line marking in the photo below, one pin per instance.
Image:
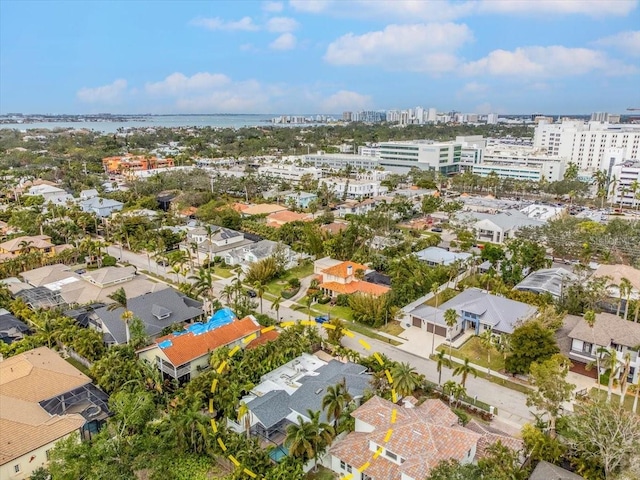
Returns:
(377, 356)
(309, 323)
(394, 413)
(328, 326)
(234, 460)
(250, 473)
(394, 395)
(250, 338)
(222, 366)
(214, 427)
(348, 333)
(287, 324)
(268, 329)
(234, 350)
(222, 445)
(378, 453)
(388, 435)
(214, 384)
(211, 406)
(364, 467)
(388, 374)
(364, 344)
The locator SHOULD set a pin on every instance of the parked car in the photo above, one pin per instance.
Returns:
(252, 294)
(163, 263)
(322, 319)
(80, 271)
(436, 229)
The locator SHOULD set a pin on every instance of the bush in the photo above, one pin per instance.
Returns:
(324, 300)
(342, 300)
(265, 320)
(108, 261)
(287, 293)
(463, 416)
(294, 282)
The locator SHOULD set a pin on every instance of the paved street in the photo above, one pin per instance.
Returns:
(512, 409)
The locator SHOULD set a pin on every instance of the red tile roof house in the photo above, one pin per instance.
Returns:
(338, 277)
(183, 355)
(421, 438)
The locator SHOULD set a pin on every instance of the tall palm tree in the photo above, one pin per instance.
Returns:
(335, 400)
(610, 362)
(259, 287)
(203, 285)
(450, 318)
(434, 292)
(308, 302)
(227, 293)
(487, 341)
(464, 370)
(244, 415)
(276, 306)
(625, 291)
(624, 378)
(590, 318)
(405, 378)
(120, 299)
(441, 361)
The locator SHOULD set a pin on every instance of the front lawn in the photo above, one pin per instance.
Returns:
(276, 286)
(321, 474)
(222, 272)
(345, 313)
(392, 328)
(476, 353)
(601, 394)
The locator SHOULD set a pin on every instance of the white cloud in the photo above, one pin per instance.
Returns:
(178, 84)
(107, 94)
(286, 41)
(628, 42)
(245, 24)
(417, 47)
(345, 100)
(282, 24)
(239, 97)
(272, 7)
(593, 8)
(442, 10)
(553, 61)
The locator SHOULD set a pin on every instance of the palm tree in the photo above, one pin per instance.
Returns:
(203, 285)
(590, 318)
(307, 440)
(275, 305)
(244, 415)
(335, 400)
(405, 378)
(625, 291)
(434, 292)
(487, 341)
(227, 293)
(120, 299)
(441, 361)
(450, 318)
(259, 288)
(465, 369)
(610, 362)
(308, 301)
(624, 378)
(453, 390)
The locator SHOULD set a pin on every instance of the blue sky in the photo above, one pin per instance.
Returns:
(315, 56)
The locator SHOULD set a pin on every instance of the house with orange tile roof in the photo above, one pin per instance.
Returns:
(422, 437)
(283, 217)
(43, 399)
(183, 355)
(262, 209)
(337, 277)
(135, 163)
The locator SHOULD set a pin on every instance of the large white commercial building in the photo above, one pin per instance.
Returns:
(627, 177)
(472, 152)
(338, 161)
(589, 145)
(423, 154)
(289, 173)
(520, 163)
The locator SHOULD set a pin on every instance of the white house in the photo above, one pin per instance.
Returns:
(248, 254)
(498, 227)
(354, 189)
(102, 207)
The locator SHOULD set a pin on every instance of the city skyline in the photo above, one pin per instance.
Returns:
(319, 56)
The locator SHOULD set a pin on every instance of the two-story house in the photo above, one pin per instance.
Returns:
(184, 355)
(477, 310)
(102, 207)
(211, 241)
(26, 244)
(609, 331)
(254, 252)
(411, 445)
(337, 277)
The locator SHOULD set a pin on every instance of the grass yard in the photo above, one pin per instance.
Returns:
(443, 296)
(601, 394)
(321, 474)
(392, 328)
(276, 286)
(476, 353)
(345, 313)
(78, 365)
(222, 272)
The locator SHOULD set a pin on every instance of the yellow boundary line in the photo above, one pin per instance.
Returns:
(223, 366)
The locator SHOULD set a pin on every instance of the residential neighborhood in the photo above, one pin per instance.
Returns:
(300, 316)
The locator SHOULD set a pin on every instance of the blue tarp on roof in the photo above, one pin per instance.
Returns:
(221, 317)
(165, 344)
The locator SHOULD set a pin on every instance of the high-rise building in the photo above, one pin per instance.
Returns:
(423, 154)
(432, 115)
(589, 145)
(492, 119)
(347, 116)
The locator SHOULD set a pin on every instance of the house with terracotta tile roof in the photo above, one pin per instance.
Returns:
(283, 217)
(337, 278)
(422, 437)
(43, 399)
(262, 209)
(183, 355)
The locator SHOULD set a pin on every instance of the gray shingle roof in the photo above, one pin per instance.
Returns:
(499, 312)
(551, 280)
(548, 471)
(607, 329)
(277, 404)
(182, 309)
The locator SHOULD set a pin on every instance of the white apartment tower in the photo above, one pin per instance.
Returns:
(589, 145)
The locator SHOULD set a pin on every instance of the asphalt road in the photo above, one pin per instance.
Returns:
(512, 409)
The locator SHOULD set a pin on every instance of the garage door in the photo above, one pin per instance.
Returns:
(442, 331)
(417, 322)
(429, 327)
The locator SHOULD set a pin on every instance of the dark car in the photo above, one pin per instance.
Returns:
(436, 229)
(252, 294)
(80, 271)
(163, 263)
